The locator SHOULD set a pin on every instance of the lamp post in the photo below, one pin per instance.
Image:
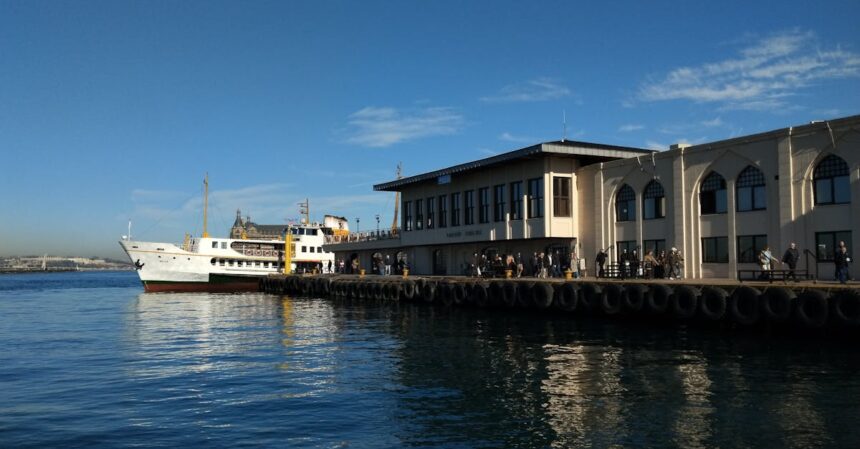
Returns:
(357, 224)
(377, 225)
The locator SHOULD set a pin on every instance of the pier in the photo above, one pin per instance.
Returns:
(826, 309)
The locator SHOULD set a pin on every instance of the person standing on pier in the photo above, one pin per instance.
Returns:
(841, 260)
(601, 261)
(766, 260)
(790, 258)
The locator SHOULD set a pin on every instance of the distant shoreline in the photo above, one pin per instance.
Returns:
(59, 270)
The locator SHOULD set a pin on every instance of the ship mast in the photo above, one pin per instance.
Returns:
(304, 209)
(205, 204)
(396, 198)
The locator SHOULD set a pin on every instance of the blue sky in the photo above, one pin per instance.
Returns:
(112, 111)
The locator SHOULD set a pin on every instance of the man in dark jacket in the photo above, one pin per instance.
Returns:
(790, 258)
(601, 261)
(841, 259)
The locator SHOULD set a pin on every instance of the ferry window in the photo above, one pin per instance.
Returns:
(215, 245)
(223, 245)
(653, 201)
(230, 263)
(535, 198)
(313, 249)
(312, 231)
(832, 185)
(624, 246)
(443, 211)
(749, 246)
(221, 262)
(560, 196)
(419, 214)
(319, 249)
(499, 204)
(265, 264)
(715, 250)
(455, 209)
(625, 204)
(751, 190)
(517, 200)
(469, 207)
(431, 205)
(212, 261)
(484, 205)
(712, 195)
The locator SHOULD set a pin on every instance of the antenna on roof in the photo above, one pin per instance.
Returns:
(564, 125)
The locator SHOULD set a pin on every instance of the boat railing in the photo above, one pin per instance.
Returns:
(369, 236)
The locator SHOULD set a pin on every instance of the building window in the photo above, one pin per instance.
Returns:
(831, 181)
(443, 211)
(712, 195)
(627, 245)
(535, 198)
(469, 198)
(419, 215)
(431, 206)
(214, 245)
(827, 242)
(517, 200)
(657, 246)
(312, 249)
(484, 205)
(304, 249)
(499, 204)
(223, 245)
(455, 209)
(751, 192)
(715, 250)
(653, 201)
(407, 215)
(749, 246)
(560, 196)
(625, 204)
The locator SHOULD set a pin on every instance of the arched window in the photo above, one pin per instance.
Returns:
(712, 195)
(653, 201)
(751, 193)
(625, 204)
(831, 181)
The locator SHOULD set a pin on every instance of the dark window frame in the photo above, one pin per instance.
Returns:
(833, 237)
(455, 208)
(749, 247)
(625, 204)
(711, 192)
(469, 207)
(443, 211)
(516, 200)
(407, 216)
(653, 201)
(830, 171)
(484, 205)
(535, 196)
(750, 190)
(499, 203)
(419, 215)
(431, 212)
(561, 196)
(711, 249)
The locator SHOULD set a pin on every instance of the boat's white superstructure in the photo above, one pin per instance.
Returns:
(216, 264)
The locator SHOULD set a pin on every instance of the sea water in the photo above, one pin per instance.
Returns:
(89, 360)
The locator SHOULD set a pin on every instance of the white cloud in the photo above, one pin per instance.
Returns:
(652, 145)
(508, 137)
(379, 127)
(539, 89)
(712, 123)
(487, 152)
(630, 128)
(761, 77)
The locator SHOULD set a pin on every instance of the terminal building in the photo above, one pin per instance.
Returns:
(718, 203)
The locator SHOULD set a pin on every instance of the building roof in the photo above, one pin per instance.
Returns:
(589, 152)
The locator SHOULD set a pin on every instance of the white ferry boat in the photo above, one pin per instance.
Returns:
(227, 264)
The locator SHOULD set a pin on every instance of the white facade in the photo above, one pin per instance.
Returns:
(766, 195)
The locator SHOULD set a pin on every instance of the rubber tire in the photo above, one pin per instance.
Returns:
(568, 297)
(408, 290)
(812, 309)
(524, 294)
(589, 296)
(634, 298)
(542, 295)
(658, 298)
(510, 298)
(496, 293)
(745, 305)
(428, 292)
(713, 304)
(611, 299)
(458, 293)
(480, 296)
(685, 302)
(846, 307)
(778, 304)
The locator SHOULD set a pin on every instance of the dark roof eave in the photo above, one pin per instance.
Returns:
(569, 148)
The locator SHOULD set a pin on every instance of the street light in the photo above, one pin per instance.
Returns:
(377, 225)
(357, 223)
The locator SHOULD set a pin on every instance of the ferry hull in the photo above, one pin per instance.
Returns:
(217, 285)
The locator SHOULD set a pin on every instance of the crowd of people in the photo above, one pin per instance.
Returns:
(662, 266)
(539, 265)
